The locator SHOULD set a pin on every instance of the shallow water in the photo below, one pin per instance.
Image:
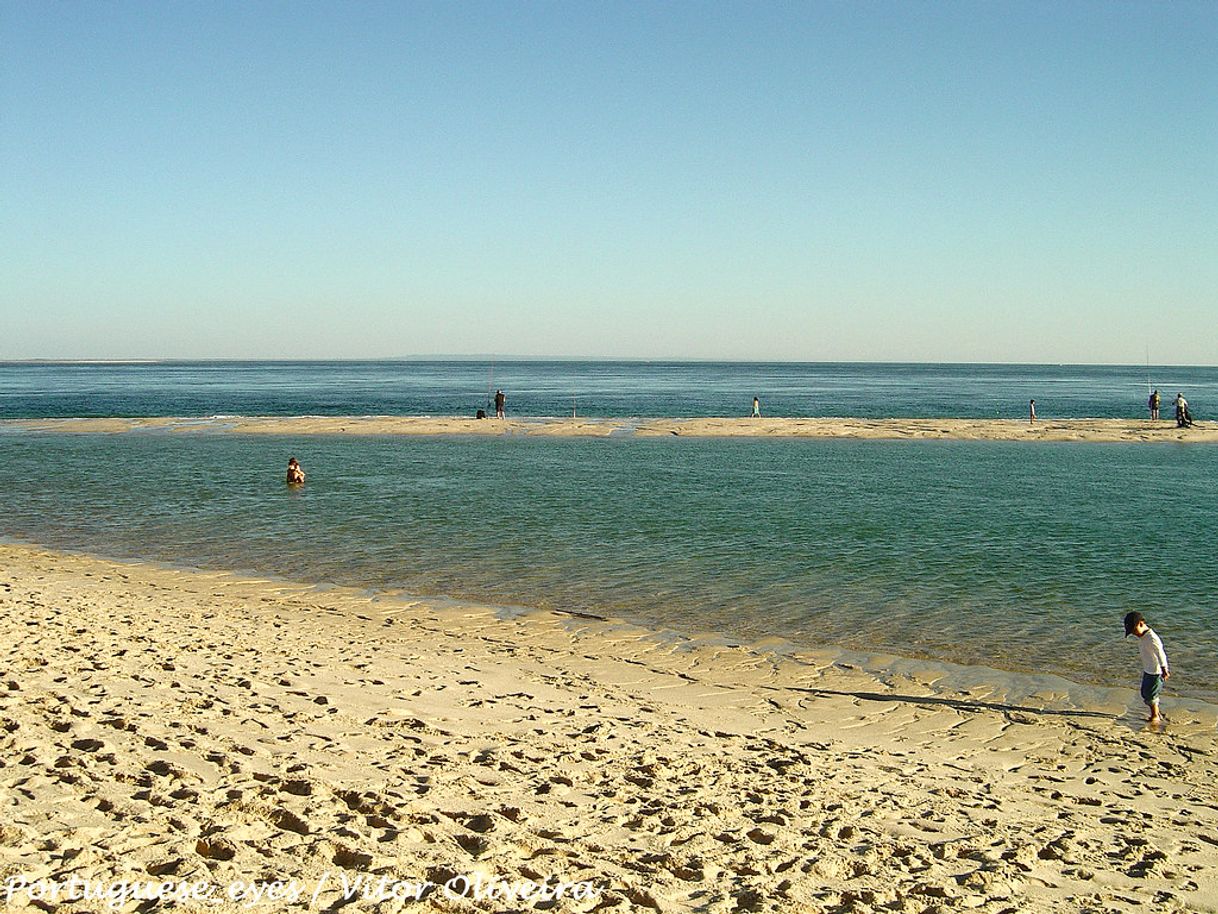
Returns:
(1009, 555)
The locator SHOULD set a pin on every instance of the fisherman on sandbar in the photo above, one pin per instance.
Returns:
(1183, 417)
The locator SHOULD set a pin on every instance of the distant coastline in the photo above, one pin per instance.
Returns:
(488, 358)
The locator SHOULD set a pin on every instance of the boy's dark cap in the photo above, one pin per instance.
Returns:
(1131, 622)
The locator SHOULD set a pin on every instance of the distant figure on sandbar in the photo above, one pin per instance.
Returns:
(1154, 662)
(1153, 403)
(1031, 410)
(500, 403)
(296, 475)
(1183, 417)
(756, 408)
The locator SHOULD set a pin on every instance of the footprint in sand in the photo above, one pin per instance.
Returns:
(215, 848)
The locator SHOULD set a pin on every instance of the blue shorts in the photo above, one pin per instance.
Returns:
(1152, 685)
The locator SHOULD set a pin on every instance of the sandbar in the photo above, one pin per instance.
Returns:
(1097, 430)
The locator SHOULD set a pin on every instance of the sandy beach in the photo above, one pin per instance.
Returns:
(283, 746)
(1107, 430)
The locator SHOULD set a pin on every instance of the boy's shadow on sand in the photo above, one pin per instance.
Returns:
(958, 704)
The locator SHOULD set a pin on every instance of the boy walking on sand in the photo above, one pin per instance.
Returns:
(1154, 662)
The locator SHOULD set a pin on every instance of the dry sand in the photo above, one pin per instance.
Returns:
(192, 727)
(964, 429)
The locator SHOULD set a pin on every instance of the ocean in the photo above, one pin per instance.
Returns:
(1006, 555)
(594, 389)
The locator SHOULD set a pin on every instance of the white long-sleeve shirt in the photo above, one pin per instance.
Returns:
(1150, 649)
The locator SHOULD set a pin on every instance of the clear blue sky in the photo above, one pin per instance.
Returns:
(1024, 181)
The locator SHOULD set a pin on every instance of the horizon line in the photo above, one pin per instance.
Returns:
(489, 357)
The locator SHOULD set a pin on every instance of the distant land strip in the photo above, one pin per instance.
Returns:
(1143, 430)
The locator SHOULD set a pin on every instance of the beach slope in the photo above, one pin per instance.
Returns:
(207, 729)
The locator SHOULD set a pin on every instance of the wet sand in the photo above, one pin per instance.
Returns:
(204, 727)
(1141, 430)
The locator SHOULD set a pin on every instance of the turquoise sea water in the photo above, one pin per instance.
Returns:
(1010, 555)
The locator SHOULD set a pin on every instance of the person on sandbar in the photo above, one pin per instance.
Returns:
(296, 475)
(1183, 417)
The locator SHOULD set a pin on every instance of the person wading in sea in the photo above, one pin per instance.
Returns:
(1154, 662)
(296, 475)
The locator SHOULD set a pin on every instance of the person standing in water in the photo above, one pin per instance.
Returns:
(296, 475)
(1154, 662)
